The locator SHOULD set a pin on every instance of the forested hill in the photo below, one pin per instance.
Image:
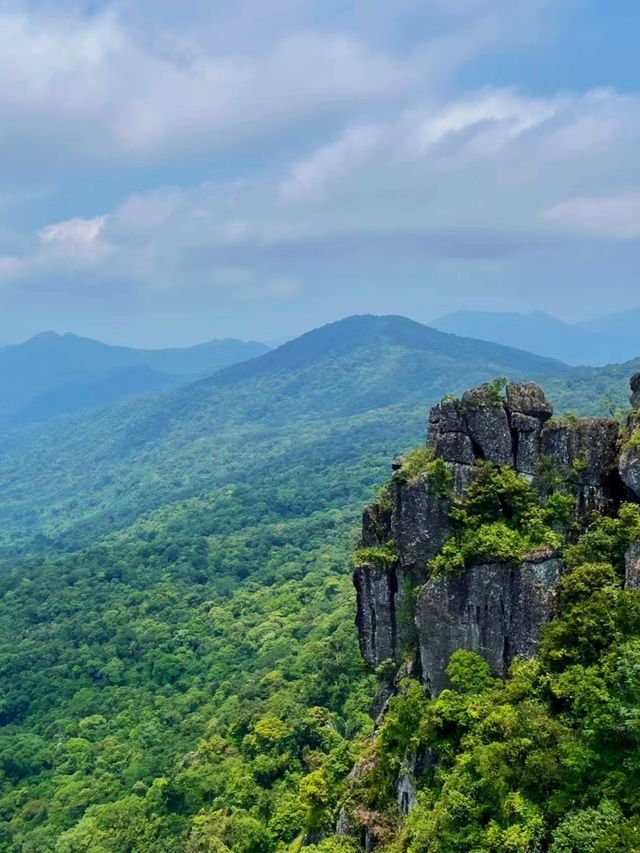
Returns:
(327, 398)
(179, 669)
(54, 374)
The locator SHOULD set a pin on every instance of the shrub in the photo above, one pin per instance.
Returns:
(386, 554)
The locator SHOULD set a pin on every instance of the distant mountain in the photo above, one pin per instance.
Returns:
(600, 342)
(623, 325)
(54, 374)
(328, 398)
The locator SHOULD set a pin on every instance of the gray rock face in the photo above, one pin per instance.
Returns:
(527, 398)
(491, 434)
(376, 588)
(632, 567)
(629, 468)
(588, 446)
(481, 427)
(419, 523)
(587, 451)
(526, 431)
(376, 526)
(496, 610)
(448, 434)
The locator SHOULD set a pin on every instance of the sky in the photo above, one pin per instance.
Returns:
(174, 172)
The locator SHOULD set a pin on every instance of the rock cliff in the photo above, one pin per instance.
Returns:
(496, 608)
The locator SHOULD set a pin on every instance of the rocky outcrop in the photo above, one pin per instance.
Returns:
(496, 610)
(376, 587)
(585, 453)
(483, 426)
(419, 523)
(416, 620)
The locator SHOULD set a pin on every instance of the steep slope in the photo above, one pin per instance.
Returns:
(306, 403)
(54, 374)
(595, 343)
(498, 589)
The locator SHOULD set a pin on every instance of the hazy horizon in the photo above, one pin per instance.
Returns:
(272, 342)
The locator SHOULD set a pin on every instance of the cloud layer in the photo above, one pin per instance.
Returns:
(165, 153)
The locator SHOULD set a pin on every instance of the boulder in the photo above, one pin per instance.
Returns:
(491, 434)
(488, 426)
(527, 398)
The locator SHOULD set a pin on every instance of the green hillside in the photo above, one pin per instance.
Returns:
(52, 374)
(349, 393)
(178, 663)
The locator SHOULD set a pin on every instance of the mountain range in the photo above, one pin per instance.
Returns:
(177, 652)
(54, 374)
(595, 343)
(304, 406)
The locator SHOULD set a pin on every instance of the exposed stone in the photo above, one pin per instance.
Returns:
(491, 435)
(632, 567)
(419, 523)
(447, 416)
(455, 447)
(462, 477)
(527, 398)
(635, 390)
(480, 396)
(526, 431)
(412, 767)
(588, 447)
(376, 587)
(405, 790)
(629, 468)
(376, 526)
(586, 452)
(448, 436)
(496, 610)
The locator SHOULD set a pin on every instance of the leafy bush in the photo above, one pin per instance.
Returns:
(386, 554)
(500, 519)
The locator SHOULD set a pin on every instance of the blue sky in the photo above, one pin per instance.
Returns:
(172, 172)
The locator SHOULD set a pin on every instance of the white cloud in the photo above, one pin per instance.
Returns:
(10, 267)
(614, 217)
(485, 176)
(76, 239)
(356, 146)
(103, 89)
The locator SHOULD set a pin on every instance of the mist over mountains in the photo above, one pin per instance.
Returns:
(52, 374)
(613, 338)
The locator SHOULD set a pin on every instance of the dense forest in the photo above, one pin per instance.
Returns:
(178, 660)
